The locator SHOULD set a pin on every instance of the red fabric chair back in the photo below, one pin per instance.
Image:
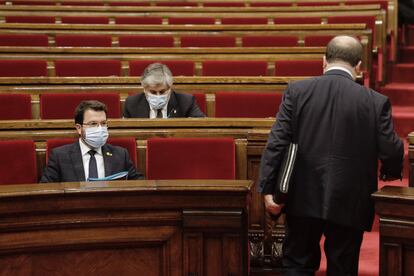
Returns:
(88, 68)
(247, 104)
(31, 40)
(200, 99)
(83, 41)
(269, 41)
(138, 20)
(15, 107)
(223, 4)
(191, 158)
(82, 3)
(30, 19)
(146, 41)
(191, 20)
(298, 68)
(208, 41)
(85, 20)
(177, 67)
(63, 105)
(176, 4)
(313, 4)
(317, 40)
(33, 3)
(367, 19)
(18, 162)
(23, 68)
(130, 4)
(243, 20)
(127, 143)
(270, 4)
(383, 4)
(234, 68)
(297, 20)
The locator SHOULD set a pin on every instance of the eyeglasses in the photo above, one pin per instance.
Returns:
(96, 124)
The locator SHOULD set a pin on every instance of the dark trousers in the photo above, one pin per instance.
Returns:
(301, 250)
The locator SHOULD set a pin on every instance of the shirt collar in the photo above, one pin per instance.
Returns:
(85, 149)
(342, 69)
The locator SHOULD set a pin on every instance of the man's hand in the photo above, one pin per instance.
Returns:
(271, 206)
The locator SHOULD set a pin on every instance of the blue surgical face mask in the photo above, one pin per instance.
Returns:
(157, 101)
(96, 136)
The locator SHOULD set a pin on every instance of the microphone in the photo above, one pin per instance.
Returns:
(172, 112)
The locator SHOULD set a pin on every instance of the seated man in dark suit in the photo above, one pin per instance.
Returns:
(90, 157)
(158, 99)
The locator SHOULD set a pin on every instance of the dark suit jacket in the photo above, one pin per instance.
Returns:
(179, 105)
(65, 163)
(343, 129)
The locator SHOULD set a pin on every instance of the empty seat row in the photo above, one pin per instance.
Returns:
(95, 40)
(215, 158)
(106, 68)
(62, 105)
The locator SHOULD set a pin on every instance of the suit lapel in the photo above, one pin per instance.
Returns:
(143, 108)
(77, 163)
(107, 156)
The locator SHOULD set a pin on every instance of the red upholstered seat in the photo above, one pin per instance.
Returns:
(127, 143)
(23, 68)
(82, 3)
(191, 20)
(269, 41)
(131, 4)
(369, 20)
(146, 41)
(270, 4)
(247, 104)
(223, 4)
(85, 20)
(234, 68)
(15, 107)
(317, 40)
(200, 99)
(176, 4)
(191, 158)
(298, 67)
(313, 4)
(83, 40)
(32, 40)
(87, 68)
(33, 3)
(138, 20)
(382, 3)
(208, 41)
(243, 20)
(177, 67)
(297, 20)
(29, 19)
(18, 162)
(62, 105)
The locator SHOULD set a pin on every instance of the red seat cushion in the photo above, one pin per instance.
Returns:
(313, 4)
(318, 40)
(243, 20)
(18, 162)
(297, 20)
(87, 68)
(83, 40)
(223, 4)
(30, 40)
(191, 158)
(82, 3)
(269, 41)
(177, 67)
(30, 19)
(138, 20)
(298, 68)
(63, 105)
(234, 68)
(85, 20)
(247, 104)
(191, 20)
(208, 41)
(23, 68)
(15, 107)
(367, 19)
(33, 3)
(176, 4)
(270, 4)
(146, 41)
(139, 4)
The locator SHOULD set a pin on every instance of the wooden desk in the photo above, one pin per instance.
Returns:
(395, 207)
(194, 227)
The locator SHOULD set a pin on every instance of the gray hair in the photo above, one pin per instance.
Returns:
(156, 74)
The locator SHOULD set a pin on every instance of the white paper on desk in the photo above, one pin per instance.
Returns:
(117, 176)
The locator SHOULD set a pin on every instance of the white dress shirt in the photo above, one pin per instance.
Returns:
(86, 157)
(153, 112)
(341, 68)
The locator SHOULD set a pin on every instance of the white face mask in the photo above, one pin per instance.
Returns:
(96, 136)
(157, 101)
